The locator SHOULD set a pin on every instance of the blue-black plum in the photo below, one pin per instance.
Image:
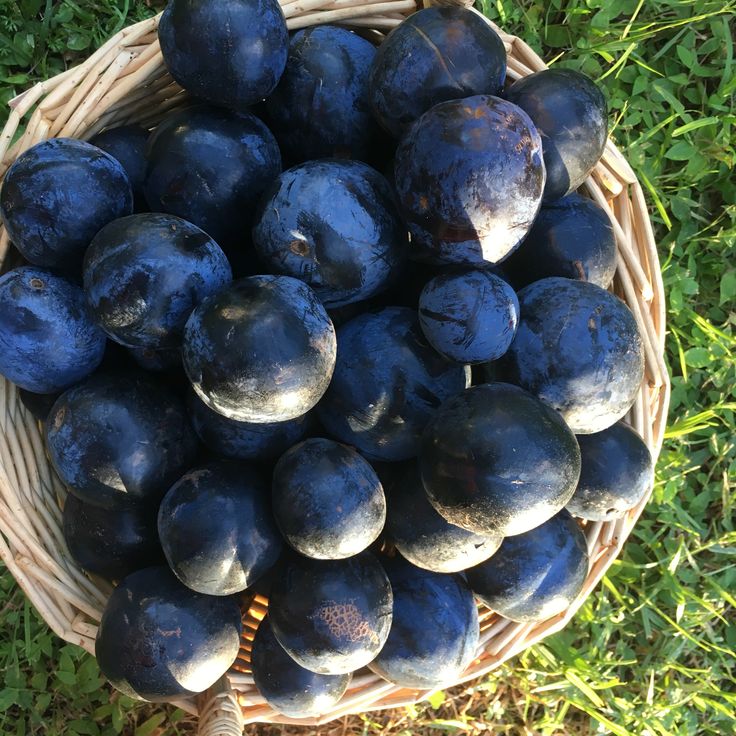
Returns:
(288, 687)
(434, 633)
(387, 384)
(327, 500)
(216, 528)
(469, 179)
(535, 575)
(57, 195)
(117, 439)
(572, 237)
(261, 350)
(331, 616)
(48, 340)
(578, 348)
(159, 640)
(228, 52)
(469, 316)
(144, 274)
(496, 460)
(320, 108)
(111, 543)
(570, 112)
(334, 225)
(616, 473)
(39, 405)
(435, 55)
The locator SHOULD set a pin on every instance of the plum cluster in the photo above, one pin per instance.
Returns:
(339, 333)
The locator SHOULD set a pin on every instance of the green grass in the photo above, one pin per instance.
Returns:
(652, 651)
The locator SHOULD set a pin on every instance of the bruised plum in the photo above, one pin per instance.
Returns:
(469, 179)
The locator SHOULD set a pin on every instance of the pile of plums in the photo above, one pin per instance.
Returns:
(339, 333)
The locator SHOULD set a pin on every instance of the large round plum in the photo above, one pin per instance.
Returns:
(216, 528)
(535, 575)
(320, 108)
(577, 348)
(57, 195)
(570, 112)
(434, 633)
(119, 439)
(332, 616)
(159, 640)
(387, 384)
(435, 55)
(48, 340)
(334, 225)
(261, 350)
(496, 460)
(228, 52)
(469, 178)
(327, 500)
(616, 473)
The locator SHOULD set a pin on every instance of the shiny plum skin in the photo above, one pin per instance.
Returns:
(228, 52)
(159, 640)
(57, 195)
(572, 237)
(616, 473)
(119, 439)
(48, 340)
(320, 108)
(331, 616)
(216, 528)
(469, 179)
(261, 350)
(287, 686)
(469, 316)
(578, 348)
(535, 575)
(334, 225)
(496, 460)
(327, 500)
(570, 112)
(144, 274)
(434, 633)
(435, 55)
(387, 384)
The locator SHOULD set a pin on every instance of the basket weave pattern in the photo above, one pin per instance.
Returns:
(125, 81)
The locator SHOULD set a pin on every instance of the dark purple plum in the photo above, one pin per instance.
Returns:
(287, 687)
(616, 473)
(39, 405)
(327, 500)
(578, 348)
(496, 460)
(331, 616)
(435, 55)
(570, 112)
(228, 52)
(320, 108)
(534, 575)
(48, 340)
(119, 439)
(216, 528)
(571, 237)
(434, 633)
(144, 274)
(469, 179)
(159, 640)
(156, 361)
(424, 536)
(387, 384)
(334, 225)
(111, 543)
(469, 316)
(261, 350)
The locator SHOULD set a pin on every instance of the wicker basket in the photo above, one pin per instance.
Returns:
(125, 81)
